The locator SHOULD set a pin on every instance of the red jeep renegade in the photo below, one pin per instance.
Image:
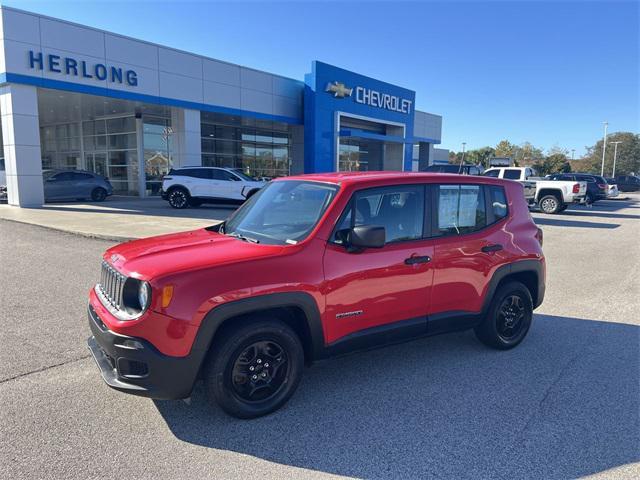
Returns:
(310, 267)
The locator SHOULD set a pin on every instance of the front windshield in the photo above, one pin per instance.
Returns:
(283, 212)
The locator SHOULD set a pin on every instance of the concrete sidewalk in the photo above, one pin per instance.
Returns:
(117, 218)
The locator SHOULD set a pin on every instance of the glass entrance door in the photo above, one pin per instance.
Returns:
(157, 140)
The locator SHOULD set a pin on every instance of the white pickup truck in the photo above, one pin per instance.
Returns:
(551, 196)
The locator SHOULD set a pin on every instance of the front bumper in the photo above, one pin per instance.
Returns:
(134, 365)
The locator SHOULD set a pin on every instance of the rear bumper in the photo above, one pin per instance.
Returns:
(135, 366)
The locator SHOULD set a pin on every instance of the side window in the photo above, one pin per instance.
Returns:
(63, 177)
(492, 173)
(461, 209)
(511, 174)
(229, 176)
(82, 176)
(400, 210)
(498, 202)
(220, 175)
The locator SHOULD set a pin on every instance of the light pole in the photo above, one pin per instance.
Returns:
(464, 144)
(604, 148)
(615, 154)
(573, 151)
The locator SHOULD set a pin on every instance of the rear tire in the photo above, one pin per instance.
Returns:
(178, 198)
(98, 194)
(549, 204)
(508, 318)
(254, 368)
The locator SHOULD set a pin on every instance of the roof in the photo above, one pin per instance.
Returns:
(361, 178)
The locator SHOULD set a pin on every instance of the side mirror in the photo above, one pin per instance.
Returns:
(363, 236)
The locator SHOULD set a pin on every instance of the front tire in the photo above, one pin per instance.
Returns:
(98, 194)
(179, 198)
(508, 318)
(254, 368)
(550, 204)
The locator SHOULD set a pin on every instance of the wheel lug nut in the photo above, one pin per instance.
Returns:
(259, 361)
(264, 374)
(266, 365)
(254, 377)
(252, 368)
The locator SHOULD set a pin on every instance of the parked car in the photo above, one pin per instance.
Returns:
(310, 267)
(613, 187)
(596, 185)
(628, 183)
(193, 186)
(451, 168)
(550, 196)
(75, 185)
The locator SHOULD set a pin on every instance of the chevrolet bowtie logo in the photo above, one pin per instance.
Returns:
(338, 90)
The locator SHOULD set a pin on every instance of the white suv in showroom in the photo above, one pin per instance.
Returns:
(192, 186)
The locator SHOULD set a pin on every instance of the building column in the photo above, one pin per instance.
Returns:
(296, 150)
(21, 142)
(425, 155)
(187, 147)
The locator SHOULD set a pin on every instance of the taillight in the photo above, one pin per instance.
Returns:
(539, 236)
(602, 186)
(576, 187)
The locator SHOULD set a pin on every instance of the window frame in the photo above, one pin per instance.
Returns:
(489, 219)
(350, 207)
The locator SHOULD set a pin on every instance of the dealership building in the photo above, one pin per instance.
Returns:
(75, 97)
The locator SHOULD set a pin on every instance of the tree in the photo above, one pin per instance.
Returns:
(627, 161)
(504, 148)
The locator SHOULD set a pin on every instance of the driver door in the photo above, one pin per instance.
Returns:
(378, 287)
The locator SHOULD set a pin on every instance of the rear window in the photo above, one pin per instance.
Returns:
(192, 172)
(461, 209)
(492, 173)
(511, 174)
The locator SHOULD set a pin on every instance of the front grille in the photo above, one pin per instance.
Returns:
(112, 285)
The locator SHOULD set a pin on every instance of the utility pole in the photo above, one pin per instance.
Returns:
(573, 151)
(462, 159)
(615, 154)
(604, 148)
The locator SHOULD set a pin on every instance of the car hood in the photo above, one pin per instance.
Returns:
(154, 257)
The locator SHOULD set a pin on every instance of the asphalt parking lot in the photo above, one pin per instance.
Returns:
(566, 403)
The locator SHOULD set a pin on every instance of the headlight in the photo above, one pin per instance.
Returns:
(144, 295)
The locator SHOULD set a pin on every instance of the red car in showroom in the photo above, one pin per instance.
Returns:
(310, 267)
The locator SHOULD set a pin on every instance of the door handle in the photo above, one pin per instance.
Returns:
(491, 248)
(417, 259)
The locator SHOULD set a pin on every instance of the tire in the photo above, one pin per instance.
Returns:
(195, 202)
(563, 208)
(98, 194)
(508, 318)
(252, 351)
(179, 198)
(589, 199)
(549, 204)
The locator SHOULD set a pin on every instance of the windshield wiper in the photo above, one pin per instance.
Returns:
(243, 237)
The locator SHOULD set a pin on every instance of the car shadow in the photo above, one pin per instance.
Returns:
(564, 222)
(565, 403)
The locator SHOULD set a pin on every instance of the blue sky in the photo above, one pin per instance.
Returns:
(545, 72)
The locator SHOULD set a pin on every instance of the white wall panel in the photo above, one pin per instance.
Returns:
(221, 72)
(181, 63)
(72, 38)
(221, 94)
(16, 58)
(21, 27)
(256, 80)
(180, 88)
(148, 81)
(125, 50)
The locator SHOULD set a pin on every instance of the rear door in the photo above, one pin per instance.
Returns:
(379, 287)
(470, 244)
(83, 184)
(58, 186)
(221, 184)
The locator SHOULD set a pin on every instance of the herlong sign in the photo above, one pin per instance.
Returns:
(81, 68)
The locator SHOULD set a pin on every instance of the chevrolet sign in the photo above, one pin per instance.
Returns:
(338, 90)
(374, 98)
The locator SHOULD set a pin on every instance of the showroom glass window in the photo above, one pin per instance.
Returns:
(157, 139)
(259, 147)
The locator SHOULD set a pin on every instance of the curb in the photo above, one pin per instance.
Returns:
(97, 236)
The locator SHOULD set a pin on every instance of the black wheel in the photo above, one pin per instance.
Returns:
(179, 198)
(549, 204)
(98, 194)
(195, 202)
(255, 368)
(509, 317)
